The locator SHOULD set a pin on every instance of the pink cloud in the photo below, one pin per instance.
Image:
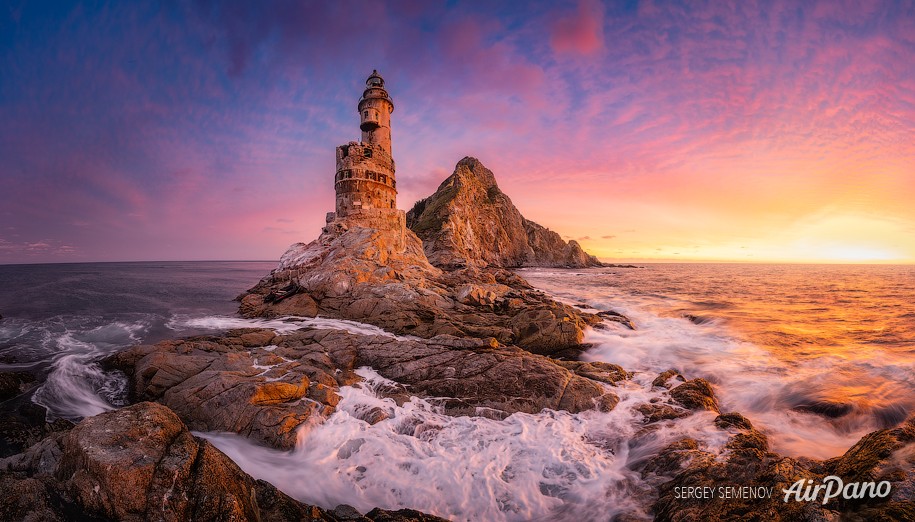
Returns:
(581, 32)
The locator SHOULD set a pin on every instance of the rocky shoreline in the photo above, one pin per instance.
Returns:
(459, 329)
(141, 462)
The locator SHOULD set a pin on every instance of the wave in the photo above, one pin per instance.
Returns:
(76, 385)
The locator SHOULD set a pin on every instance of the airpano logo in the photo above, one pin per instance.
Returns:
(832, 487)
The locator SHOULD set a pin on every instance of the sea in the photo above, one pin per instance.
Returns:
(814, 355)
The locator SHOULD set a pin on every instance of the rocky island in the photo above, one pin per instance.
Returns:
(454, 324)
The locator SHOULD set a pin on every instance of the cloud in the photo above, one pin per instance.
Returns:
(127, 127)
(581, 32)
(276, 230)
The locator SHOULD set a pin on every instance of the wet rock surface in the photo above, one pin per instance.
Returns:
(25, 423)
(22, 422)
(15, 383)
(696, 394)
(264, 386)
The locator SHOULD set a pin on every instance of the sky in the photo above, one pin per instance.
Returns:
(645, 130)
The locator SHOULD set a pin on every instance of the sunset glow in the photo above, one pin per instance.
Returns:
(769, 132)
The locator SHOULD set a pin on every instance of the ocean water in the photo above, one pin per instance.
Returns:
(60, 319)
(816, 356)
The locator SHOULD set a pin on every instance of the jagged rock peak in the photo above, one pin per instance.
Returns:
(469, 221)
(473, 167)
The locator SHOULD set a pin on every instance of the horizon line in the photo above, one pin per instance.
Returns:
(659, 261)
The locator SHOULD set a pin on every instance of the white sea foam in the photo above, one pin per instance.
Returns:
(546, 466)
(281, 325)
(747, 379)
(77, 387)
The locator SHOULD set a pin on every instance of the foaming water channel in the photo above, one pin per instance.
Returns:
(552, 465)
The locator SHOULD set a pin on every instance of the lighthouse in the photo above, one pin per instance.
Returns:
(365, 186)
(365, 170)
(375, 110)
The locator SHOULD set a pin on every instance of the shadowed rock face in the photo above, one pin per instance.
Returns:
(469, 221)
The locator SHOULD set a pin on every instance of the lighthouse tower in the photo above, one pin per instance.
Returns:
(375, 110)
(365, 184)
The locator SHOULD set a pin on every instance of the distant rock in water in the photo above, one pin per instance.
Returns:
(469, 221)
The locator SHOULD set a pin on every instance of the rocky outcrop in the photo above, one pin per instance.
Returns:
(226, 383)
(469, 221)
(381, 275)
(265, 386)
(696, 394)
(361, 274)
(547, 248)
(142, 463)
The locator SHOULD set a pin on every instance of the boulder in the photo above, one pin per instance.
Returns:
(666, 378)
(15, 383)
(616, 317)
(137, 463)
(656, 412)
(695, 394)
